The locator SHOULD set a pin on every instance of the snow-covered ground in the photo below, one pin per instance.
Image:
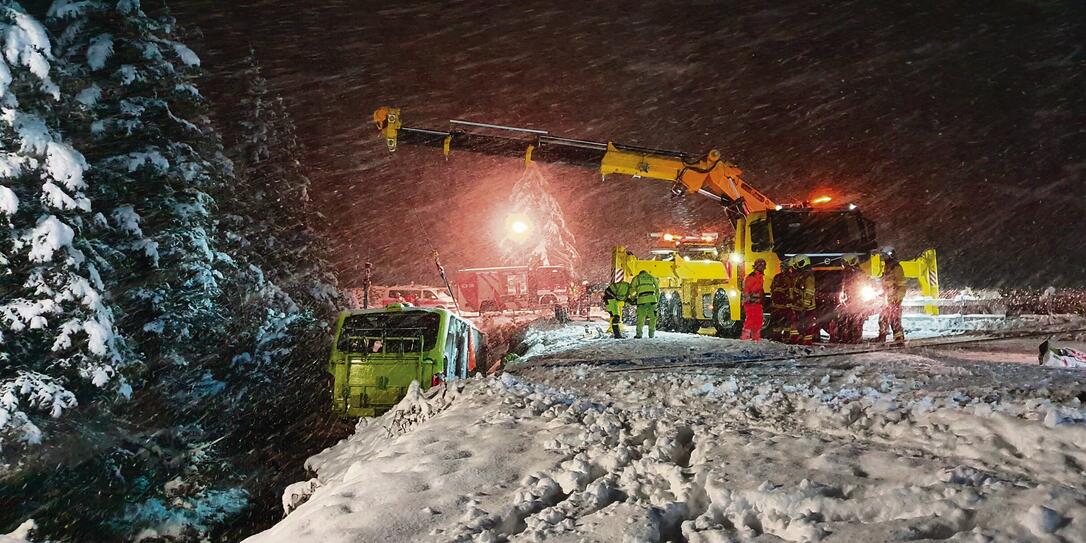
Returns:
(968, 443)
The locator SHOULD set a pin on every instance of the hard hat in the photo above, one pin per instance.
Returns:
(889, 253)
(801, 262)
(759, 261)
(851, 260)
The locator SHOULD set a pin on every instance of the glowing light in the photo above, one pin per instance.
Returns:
(518, 227)
(668, 237)
(779, 207)
(822, 200)
(868, 292)
(851, 207)
(736, 258)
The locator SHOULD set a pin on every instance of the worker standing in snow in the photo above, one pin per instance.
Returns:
(584, 302)
(614, 298)
(780, 305)
(850, 317)
(893, 287)
(753, 293)
(803, 302)
(645, 290)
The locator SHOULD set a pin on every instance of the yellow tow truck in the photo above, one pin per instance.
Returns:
(705, 292)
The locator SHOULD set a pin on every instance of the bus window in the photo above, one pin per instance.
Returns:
(462, 359)
(451, 347)
(409, 332)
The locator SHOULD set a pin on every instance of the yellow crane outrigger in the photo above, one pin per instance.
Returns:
(697, 292)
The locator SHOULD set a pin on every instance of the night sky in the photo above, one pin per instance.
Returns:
(952, 127)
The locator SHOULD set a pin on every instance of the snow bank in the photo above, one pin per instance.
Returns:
(876, 447)
(21, 534)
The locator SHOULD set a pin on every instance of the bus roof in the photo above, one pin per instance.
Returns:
(403, 308)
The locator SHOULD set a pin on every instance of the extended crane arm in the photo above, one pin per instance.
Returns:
(708, 175)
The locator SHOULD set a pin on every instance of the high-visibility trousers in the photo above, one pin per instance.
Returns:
(646, 312)
(890, 319)
(752, 322)
(614, 308)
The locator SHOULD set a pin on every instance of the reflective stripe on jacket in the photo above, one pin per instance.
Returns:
(804, 292)
(617, 291)
(780, 289)
(645, 289)
(893, 283)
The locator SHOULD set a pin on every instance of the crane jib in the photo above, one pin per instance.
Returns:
(546, 148)
(707, 174)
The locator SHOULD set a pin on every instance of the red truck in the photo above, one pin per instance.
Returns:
(512, 287)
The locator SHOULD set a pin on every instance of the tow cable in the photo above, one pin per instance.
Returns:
(921, 344)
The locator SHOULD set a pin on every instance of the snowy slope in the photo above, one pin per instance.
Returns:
(880, 446)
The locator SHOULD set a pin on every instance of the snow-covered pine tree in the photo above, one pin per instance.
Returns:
(153, 159)
(550, 242)
(271, 179)
(57, 326)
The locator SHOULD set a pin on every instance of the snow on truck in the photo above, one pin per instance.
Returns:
(696, 295)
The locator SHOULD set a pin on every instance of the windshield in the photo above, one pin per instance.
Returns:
(399, 332)
(800, 231)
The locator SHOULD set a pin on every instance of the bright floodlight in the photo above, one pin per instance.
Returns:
(518, 226)
(868, 292)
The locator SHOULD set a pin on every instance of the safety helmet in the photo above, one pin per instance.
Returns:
(759, 261)
(801, 262)
(888, 253)
(851, 260)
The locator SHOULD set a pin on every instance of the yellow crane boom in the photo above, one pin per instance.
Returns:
(707, 174)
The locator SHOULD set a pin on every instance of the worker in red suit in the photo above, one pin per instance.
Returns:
(753, 294)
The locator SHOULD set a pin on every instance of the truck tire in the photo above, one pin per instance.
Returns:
(663, 314)
(722, 317)
(677, 322)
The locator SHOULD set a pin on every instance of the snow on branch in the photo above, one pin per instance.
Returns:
(30, 391)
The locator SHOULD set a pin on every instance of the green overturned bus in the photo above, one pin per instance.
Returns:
(378, 352)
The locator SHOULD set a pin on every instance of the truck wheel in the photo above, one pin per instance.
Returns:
(722, 317)
(677, 322)
(663, 314)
